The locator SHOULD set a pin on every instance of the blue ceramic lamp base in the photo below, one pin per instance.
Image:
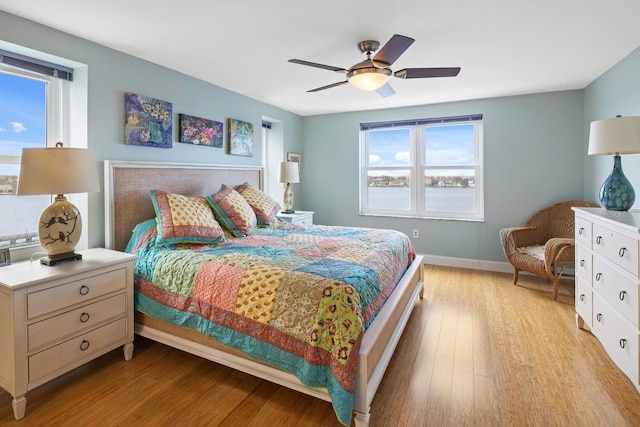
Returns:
(617, 194)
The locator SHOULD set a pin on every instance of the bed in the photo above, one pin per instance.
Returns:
(383, 314)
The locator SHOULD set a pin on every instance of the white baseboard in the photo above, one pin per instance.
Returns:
(475, 264)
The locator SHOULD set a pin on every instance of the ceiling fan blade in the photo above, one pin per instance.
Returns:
(385, 90)
(424, 73)
(328, 86)
(314, 64)
(395, 47)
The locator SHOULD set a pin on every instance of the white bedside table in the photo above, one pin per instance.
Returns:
(298, 217)
(54, 319)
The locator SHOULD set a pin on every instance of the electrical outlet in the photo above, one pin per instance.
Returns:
(416, 234)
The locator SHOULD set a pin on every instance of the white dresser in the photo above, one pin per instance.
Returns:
(607, 283)
(54, 319)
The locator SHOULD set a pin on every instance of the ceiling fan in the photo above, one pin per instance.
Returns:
(374, 73)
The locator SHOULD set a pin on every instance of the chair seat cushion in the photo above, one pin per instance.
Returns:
(536, 251)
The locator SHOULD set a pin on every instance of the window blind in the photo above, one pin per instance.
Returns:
(413, 122)
(36, 65)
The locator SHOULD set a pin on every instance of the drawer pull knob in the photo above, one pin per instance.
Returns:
(621, 295)
(599, 317)
(598, 239)
(581, 263)
(581, 297)
(598, 277)
(581, 231)
(84, 345)
(84, 289)
(623, 343)
(622, 251)
(84, 317)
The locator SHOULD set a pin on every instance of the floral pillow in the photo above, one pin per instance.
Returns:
(184, 219)
(232, 211)
(262, 204)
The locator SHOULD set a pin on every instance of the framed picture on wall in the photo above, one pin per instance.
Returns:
(148, 121)
(295, 157)
(199, 131)
(240, 138)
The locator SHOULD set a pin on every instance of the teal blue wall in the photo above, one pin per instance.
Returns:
(109, 74)
(616, 92)
(532, 158)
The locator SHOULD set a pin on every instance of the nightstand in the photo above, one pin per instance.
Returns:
(54, 319)
(298, 217)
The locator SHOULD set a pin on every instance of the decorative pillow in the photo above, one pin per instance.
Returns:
(184, 219)
(143, 233)
(232, 211)
(262, 204)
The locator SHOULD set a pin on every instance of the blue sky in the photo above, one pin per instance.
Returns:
(22, 113)
(22, 116)
(445, 145)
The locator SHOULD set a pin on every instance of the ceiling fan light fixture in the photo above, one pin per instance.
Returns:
(370, 78)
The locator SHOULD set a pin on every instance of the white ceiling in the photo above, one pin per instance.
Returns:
(504, 47)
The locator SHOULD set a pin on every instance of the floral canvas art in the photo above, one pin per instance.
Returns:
(148, 121)
(198, 131)
(240, 138)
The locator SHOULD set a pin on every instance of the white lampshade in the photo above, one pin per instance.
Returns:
(619, 135)
(288, 172)
(58, 171)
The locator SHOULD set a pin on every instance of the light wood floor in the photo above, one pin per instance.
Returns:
(478, 351)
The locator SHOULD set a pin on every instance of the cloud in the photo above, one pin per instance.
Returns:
(374, 159)
(18, 127)
(3, 130)
(403, 157)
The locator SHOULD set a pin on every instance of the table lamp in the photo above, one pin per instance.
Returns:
(58, 171)
(288, 174)
(618, 135)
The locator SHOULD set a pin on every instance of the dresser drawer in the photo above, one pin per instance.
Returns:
(57, 357)
(584, 300)
(58, 297)
(618, 288)
(618, 337)
(54, 328)
(583, 232)
(583, 263)
(620, 249)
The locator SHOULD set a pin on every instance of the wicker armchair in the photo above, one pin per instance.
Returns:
(545, 246)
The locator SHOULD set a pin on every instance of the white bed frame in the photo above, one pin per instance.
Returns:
(127, 183)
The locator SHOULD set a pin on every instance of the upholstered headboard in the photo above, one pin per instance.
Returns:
(127, 186)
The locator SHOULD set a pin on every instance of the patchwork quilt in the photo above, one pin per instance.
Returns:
(298, 298)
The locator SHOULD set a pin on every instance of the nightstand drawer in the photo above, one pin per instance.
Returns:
(56, 327)
(58, 297)
(49, 361)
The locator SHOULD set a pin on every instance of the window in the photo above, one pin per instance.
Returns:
(31, 114)
(429, 168)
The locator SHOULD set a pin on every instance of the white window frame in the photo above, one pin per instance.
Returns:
(417, 169)
(57, 111)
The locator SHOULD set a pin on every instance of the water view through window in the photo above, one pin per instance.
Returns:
(22, 125)
(447, 164)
